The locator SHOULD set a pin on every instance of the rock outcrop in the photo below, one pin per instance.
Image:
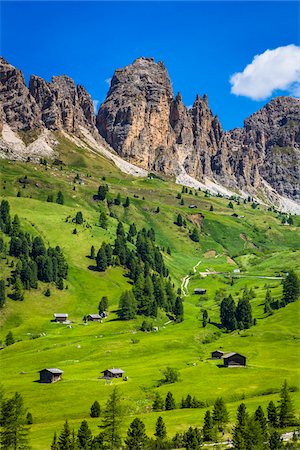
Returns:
(142, 121)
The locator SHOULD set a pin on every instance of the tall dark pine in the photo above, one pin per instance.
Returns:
(101, 259)
(136, 436)
(227, 313)
(84, 436)
(2, 293)
(286, 410)
(291, 287)
(14, 433)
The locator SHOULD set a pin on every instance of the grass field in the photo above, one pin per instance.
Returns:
(256, 242)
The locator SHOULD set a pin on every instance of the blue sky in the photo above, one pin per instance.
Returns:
(201, 43)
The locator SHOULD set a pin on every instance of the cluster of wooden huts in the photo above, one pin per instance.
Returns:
(53, 375)
(231, 359)
(63, 317)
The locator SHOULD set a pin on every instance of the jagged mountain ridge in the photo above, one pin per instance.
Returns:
(145, 125)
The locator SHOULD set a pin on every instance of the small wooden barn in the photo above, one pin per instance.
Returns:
(59, 317)
(113, 373)
(234, 360)
(94, 318)
(199, 291)
(217, 354)
(50, 375)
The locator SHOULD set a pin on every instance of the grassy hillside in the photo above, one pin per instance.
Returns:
(255, 242)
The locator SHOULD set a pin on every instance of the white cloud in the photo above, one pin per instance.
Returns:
(107, 81)
(96, 104)
(277, 69)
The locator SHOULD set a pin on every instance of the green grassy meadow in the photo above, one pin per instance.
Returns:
(257, 244)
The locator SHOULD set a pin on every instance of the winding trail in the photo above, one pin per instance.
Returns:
(186, 280)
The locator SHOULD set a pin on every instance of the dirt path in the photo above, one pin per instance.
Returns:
(186, 280)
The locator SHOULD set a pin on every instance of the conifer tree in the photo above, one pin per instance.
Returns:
(160, 429)
(64, 440)
(117, 200)
(29, 419)
(228, 313)
(84, 436)
(178, 309)
(95, 409)
(211, 208)
(54, 445)
(60, 198)
(103, 220)
(136, 436)
(259, 416)
(192, 439)
(103, 305)
(268, 301)
(2, 293)
(92, 253)
(127, 306)
(195, 236)
(14, 433)
(275, 441)
(101, 259)
(208, 427)
(179, 221)
(291, 287)
(112, 419)
(220, 415)
(170, 402)
(126, 203)
(102, 191)
(244, 313)
(18, 290)
(286, 411)
(158, 403)
(79, 218)
(9, 340)
(272, 415)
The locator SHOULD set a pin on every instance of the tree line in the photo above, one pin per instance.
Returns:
(35, 262)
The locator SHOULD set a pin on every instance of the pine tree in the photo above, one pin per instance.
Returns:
(92, 253)
(268, 301)
(18, 290)
(220, 415)
(29, 419)
(182, 202)
(253, 436)
(2, 293)
(272, 415)
(195, 236)
(244, 313)
(50, 198)
(170, 402)
(208, 427)
(136, 436)
(101, 259)
(95, 409)
(179, 221)
(178, 309)
(126, 203)
(79, 218)
(158, 403)
(14, 433)
(286, 411)
(117, 200)
(204, 318)
(102, 191)
(230, 205)
(259, 416)
(192, 439)
(64, 440)
(84, 436)
(275, 441)
(112, 419)
(103, 305)
(60, 284)
(60, 198)
(291, 287)
(103, 220)
(127, 306)
(9, 340)
(160, 429)
(211, 208)
(54, 445)
(228, 313)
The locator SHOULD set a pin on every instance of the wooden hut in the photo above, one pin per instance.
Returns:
(58, 317)
(217, 354)
(234, 360)
(94, 318)
(113, 373)
(50, 375)
(199, 291)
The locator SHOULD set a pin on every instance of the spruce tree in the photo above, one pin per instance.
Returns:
(220, 415)
(208, 427)
(64, 440)
(117, 200)
(60, 198)
(14, 433)
(18, 290)
(158, 403)
(54, 445)
(127, 306)
(136, 436)
(169, 402)
(195, 236)
(126, 203)
(29, 419)
(272, 415)
(291, 287)
(259, 416)
(275, 441)
(2, 293)
(244, 313)
(112, 419)
(101, 259)
(95, 409)
(178, 309)
(160, 429)
(103, 220)
(84, 436)
(102, 191)
(228, 313)
(79, 218)
(179, 221)
(103, 305)
(286, 411)
(9, 339)
(92, 253)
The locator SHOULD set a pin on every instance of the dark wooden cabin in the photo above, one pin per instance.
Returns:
(50, 375)
(217, 354)
(199, 291)
(94, 317)
(113, 373)
(58, 317)
(234, 360)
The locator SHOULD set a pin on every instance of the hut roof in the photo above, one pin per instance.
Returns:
(227, 355)
(60, 315)
(53, 370)
(95, 316)
(114, 371)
